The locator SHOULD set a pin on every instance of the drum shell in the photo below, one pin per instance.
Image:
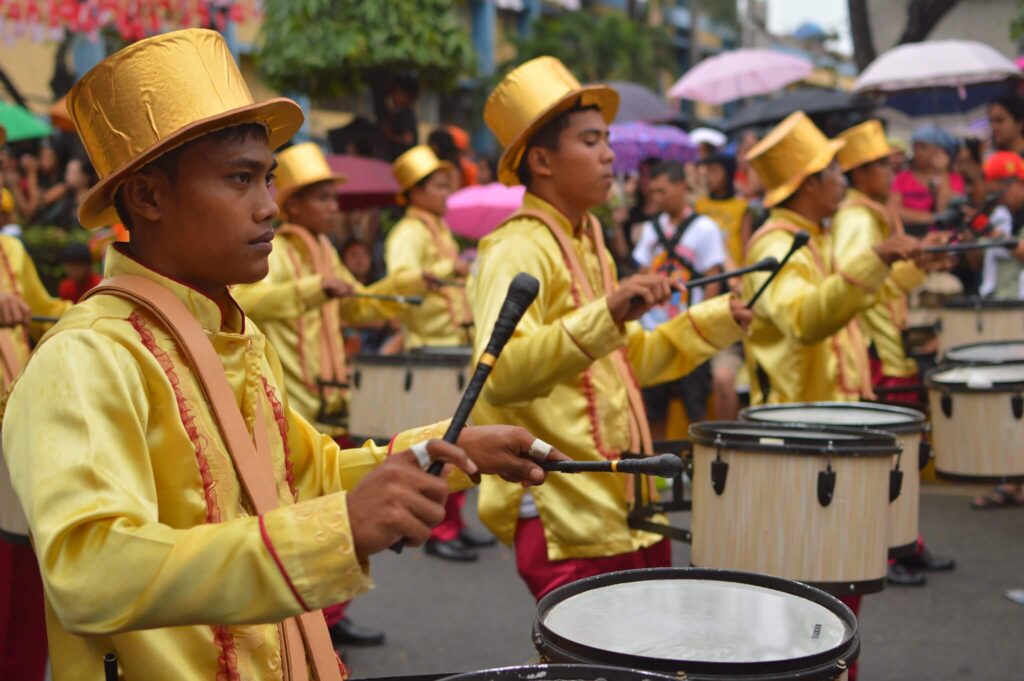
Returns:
(769, 520)
(963, 322)
(831, 667)
(13, 525)
(980, 441)
(557, 672)
(393, 393)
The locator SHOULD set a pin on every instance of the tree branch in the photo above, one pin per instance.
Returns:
(860, 31)
(922, 17)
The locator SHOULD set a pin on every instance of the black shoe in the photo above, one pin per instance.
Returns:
(451, 550)
(478, 538)
(898, 575)
(928, 561)
(348, 632)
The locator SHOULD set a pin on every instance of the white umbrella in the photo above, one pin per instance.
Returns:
(740, 73)
(939, 63)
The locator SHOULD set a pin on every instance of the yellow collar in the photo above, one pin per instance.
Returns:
(205, 310)
(794, 218)
(534, 202)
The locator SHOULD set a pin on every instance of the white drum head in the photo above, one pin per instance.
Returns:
(987, 353)
(834, 414)
(980, 377)
(698, 620)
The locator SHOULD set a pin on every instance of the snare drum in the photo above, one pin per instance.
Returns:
(977, 426)
(560, 672)
(392, 393)
(699, 624)
(809, 503)
(975, 320)
(908, 425)
(975, 354)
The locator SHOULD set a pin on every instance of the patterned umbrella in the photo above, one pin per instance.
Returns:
(633, 142)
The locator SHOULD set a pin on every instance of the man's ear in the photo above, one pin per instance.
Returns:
(146, 194)
(539, 159)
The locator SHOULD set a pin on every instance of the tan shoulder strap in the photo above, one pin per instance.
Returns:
(254, 471)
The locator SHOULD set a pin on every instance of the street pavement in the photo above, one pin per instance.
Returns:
(447, 617)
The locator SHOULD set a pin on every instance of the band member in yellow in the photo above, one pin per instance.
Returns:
(422, 243)
(22, 626)
(185, 518)
(802, 346)
(864, 220)
(301, 306)
(574, 367)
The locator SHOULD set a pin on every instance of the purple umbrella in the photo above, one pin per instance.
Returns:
(633, 142)
(739, 73)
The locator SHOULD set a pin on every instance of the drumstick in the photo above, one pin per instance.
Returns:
(36, 319)
(663, 465)
(405, 300)
(110, 667)
(960, 248)
(521, 293)
(800, 240)
(768, 264)
(452, 282)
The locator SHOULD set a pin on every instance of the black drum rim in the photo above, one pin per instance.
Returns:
(824, 661)
(582, 670)
(917, 422)
(854, 442)
(979, 479)
(975, 302)
(949, 359)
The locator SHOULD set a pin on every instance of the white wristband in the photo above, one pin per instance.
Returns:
(539, 450)
(422, 455)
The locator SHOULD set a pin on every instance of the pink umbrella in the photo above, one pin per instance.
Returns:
(370, 183)
(740, 73)
(474, 212)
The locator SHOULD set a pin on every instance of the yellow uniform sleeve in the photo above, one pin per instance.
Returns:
(280, 295)
(406, 251)
(804, 305)
(857, 229)
(33, 292)
(359, 311)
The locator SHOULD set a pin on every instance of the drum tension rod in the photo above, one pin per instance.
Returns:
(827, 479)
(719, 468)
(1017, 404)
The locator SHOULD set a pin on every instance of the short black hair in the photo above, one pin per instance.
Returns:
(1013, 103)
(786, 202)
(76, 252)
(728, 164)
(443, 144)
(168, 163)
(673, 170)
(547, 138)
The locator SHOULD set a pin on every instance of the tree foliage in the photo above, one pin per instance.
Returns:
(330, 47)
(598, 47)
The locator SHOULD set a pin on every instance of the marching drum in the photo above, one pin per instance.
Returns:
(699, 624)
(977, 426)
(974, 320)
(560, 672)
(809, 503)
(392, 393)
(907, 424)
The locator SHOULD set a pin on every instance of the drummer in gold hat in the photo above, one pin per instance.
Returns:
(802, 346)
(574, 367)
(198, 523)
(422, 243)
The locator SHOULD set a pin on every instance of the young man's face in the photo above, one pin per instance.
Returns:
(315, 207)
(358, 261)
(581, 167)
(667, 196)
(826, 190)
(875, 178)
(1013, 193)
(215, 218)
(1005, 130)
(433, 194)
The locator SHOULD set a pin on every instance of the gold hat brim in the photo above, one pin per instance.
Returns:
(282, 196)
(870, 158)
(282, 116)
(603, 96)
(779, 194)
(400, 196)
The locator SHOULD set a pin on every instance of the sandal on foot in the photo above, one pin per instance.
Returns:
(997, 498)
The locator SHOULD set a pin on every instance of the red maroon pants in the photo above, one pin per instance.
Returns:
(22, 619)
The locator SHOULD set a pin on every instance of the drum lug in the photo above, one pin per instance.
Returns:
(895, 484)
(357, 378)
(924, 453)
(1017, 402)
(826, 485)
(979, 323)
(938, 326)
(947, 405)
(408, 380)
(719, 468)
(461, 381)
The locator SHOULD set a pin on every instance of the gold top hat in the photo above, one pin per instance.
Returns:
(413, 166)
(300, 166)
(155, 95)
(530, 96)
(864, 143)
(793, 151)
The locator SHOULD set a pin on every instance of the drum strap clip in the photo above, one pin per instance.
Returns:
(827, 481)
(719, 468)
(896, 478)
(408, 380)
(924, 453)
(1017, 402)
(946, 402)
